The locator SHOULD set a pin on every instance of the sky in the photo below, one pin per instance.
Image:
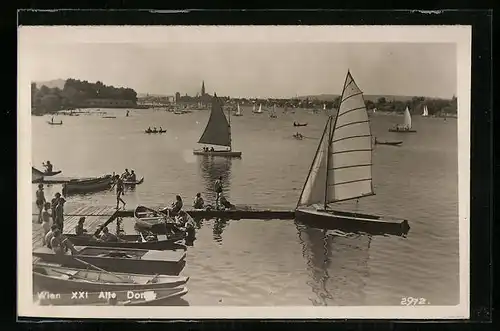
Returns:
(251, 69)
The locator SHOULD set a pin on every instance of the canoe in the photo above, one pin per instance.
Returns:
(51, 173)
(160, 131)
(156, 297)
(134, 182)
(54, 123)
(87, 185)
(65, 280)
(169, 262)
(299, 124)
(132, 241)
(392, 143)
(217, 153)
(402, 130)
(298, 137)
(109, 117)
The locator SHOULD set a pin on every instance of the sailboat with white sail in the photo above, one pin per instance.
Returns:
(259, 111)
(342, 170)
(217, 133)
(272, 112)
(406, 126)
(426, 111)
(238, 111)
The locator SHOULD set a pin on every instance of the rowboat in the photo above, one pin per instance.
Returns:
(64, 280)
(44, 173)
(217, 132)
(161, 222)
(109, 117)
(298, 136)
(132, 241)
(406, 127)
(55, 123)
(119, 259)
(299, 124)
(87, 185)
(392, 143)
(153, 131)
(133, 182)
(341, 170)
(156, 297)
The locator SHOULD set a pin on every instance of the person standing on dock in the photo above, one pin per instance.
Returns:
(218, 191)
(119, 191)
(46, 221)
(40, 201)
(54, 202)
(59, 221)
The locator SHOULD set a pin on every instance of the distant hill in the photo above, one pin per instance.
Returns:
(52, 83)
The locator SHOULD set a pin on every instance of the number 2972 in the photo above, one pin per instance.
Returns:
(411, 301)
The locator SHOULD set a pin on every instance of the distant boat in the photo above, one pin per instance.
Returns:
(272, 113)
(217, 132)
(259, 111)
(324, 106)
(391, 143)
(426, 111)
(406, 127)
(342, 170)
(299, 124)
(109, 117)
(55, 123)
(238, 111)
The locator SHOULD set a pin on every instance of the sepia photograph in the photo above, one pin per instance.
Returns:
(239, 171)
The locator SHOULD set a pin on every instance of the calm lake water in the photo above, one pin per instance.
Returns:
(258, 263)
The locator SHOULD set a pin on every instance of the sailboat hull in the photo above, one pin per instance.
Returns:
(217, 153)
(351, 222)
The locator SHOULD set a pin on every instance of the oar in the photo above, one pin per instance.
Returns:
(96, 267)
(152, 279)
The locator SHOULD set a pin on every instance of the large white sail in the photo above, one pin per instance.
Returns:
(342, 167)
(260, 109)
(407, 122)
(426, 111)
(238, 112)
(218, 131)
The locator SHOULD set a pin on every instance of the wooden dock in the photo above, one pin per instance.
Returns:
(94, 217)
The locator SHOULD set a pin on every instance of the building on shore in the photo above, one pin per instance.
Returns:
(108, 103)
(201, 100)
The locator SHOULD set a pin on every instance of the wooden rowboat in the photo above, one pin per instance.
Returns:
(55, 123)
(132, 241)
(65, 280)
(299, 124)
(392, 143)
(119, 259)
(156, 297)
(87, 185)
(133, 182)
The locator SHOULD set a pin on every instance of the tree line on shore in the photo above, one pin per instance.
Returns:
(75, 94)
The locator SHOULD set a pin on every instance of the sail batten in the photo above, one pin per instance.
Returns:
(353, 110)
(218, 130)
(351, 96)
(352, 137)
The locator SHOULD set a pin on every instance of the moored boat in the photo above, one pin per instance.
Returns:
(64, 280)
(299, 124)
(55, 123)
(132, 241)
(169, 262)
(342, 170)
(87, 185)
(385, 142)
(406, 127)
(217, 132)
(154, 297)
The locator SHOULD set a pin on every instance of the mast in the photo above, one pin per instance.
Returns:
(230, 137)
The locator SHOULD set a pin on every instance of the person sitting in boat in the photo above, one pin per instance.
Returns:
(132, 177)
(107, 236)
(79, 230)
(48, 166)
(49, 235)
(198, 202)
(225, 203)
(154, 129)
(149, 129)
(60, 244)
(212, 149)
(125, 175)
(160, 129)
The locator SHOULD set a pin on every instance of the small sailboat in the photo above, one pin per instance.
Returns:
(272, 113)
(259, 111)
(217, 132)
(342, 170)
(406, 127)
(426, 111)
(324, 106)
(238, 111)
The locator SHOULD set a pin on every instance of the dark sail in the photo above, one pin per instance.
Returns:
(217, 132)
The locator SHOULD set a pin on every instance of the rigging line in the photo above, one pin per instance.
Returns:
(361, 196)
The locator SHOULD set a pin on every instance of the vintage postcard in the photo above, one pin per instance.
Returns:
(244, 171)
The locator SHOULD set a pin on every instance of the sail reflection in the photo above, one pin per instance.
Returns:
(213, 168)
(337, 264)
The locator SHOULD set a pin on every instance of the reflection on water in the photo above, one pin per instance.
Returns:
(219, 226)
(331, 257)
(213, 168)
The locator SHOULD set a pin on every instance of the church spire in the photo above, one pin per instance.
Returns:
(202, 88)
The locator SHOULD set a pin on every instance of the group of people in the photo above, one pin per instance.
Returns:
(154, 129)
(206, 149)
(48, 167)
